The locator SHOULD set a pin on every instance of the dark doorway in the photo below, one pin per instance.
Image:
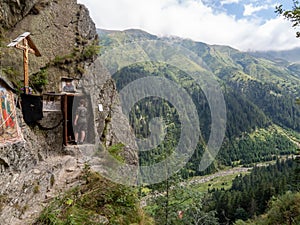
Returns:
(70, 102)
(70, 130)
(67, 106)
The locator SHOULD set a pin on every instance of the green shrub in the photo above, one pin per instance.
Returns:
(39, 79)
(94, 202)
(116, 150)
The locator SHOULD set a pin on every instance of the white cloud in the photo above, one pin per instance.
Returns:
(275, 34)
(192, 19)
(250, 9)
(223, 2)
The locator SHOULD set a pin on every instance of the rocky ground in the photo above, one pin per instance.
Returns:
(31, 189)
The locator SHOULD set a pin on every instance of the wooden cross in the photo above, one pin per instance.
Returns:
(27, 47)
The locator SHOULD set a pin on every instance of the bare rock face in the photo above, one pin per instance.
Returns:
(11, 12)
(58, 28)
(112, 126)
(37, 169)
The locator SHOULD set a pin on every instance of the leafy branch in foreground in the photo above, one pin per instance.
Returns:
(292, 15)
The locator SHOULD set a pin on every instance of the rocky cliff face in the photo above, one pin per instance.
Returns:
(13, 11)
(58, 28)
(38, 168)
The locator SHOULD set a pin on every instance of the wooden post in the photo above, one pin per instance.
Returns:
(25, 65)
(65, 107)
(28, 47)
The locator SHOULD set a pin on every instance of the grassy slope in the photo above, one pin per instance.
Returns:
(96, 201)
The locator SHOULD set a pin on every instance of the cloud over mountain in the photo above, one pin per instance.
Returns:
(242, 24)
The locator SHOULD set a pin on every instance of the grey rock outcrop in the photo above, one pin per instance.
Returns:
(11, 12)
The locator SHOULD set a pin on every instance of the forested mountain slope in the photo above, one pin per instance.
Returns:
(262, 118)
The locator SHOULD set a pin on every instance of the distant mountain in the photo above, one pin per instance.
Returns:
(288, 58)
(291, 56)
(262, 118)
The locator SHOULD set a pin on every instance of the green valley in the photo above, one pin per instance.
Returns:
(263, 121)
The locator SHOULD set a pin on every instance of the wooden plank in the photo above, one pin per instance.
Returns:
(18, 39)
(25, 66)
(32, 46)
(53, 94)
(26, 36)
(65, 111)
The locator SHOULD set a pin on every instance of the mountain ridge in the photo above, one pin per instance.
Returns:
(285, 56)
(259, 93)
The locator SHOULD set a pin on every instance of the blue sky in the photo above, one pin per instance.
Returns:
(242, 24)
(263, 9)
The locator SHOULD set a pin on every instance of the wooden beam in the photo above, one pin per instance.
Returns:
(18, 40)
(32, 46)
(25, 65)
(65, 111)
(27, 47)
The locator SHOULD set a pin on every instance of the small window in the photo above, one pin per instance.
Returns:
(51, 103)
(69, 85)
